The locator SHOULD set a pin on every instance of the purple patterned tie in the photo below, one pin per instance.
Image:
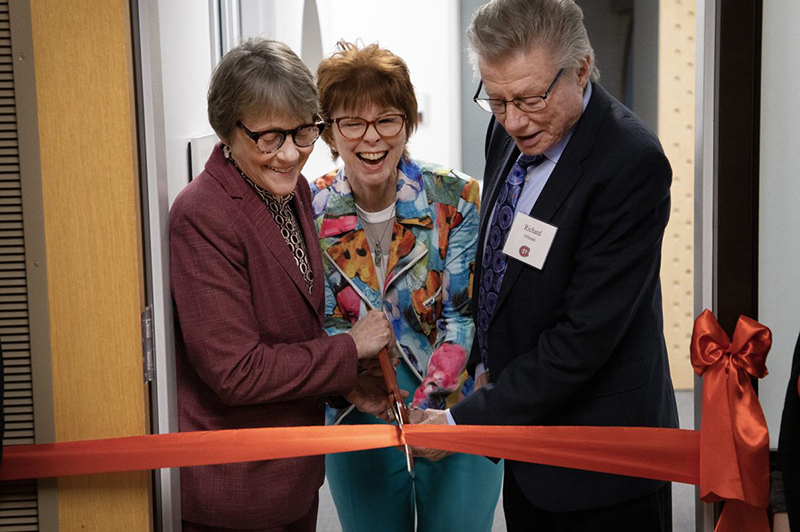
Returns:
(493, 262)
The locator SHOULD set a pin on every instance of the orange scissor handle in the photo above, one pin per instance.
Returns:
(396, 403)
(390, 377)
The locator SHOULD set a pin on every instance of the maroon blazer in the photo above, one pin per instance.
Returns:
(250, 348)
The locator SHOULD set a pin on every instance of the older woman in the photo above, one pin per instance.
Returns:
(248, 289)
(398, 235)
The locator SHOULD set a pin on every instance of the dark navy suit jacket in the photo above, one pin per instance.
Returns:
(580, 342)
(789, 446)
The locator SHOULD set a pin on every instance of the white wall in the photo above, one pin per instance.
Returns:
(185, 71)
(474, 121)
(423, 33)
(644, 101)
(779, 216)
(428, 43)
(607, 30)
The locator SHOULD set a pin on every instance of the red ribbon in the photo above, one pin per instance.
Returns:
(734, 441)
(728, 458)
(664, 454)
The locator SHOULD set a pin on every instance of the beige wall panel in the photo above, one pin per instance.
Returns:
(84, 82)
(676, 74)
(118, 502)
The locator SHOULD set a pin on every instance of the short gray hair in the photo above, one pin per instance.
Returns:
(504, 28)
(260, 77)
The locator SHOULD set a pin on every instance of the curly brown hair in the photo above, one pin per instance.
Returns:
(354, 77)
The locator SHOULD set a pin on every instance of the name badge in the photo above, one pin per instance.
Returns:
(529, 240)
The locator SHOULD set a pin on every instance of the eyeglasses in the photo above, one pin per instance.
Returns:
(271, 140)
(355, 127)
(526, 104)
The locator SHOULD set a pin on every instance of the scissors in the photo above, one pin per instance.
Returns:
(398, 408)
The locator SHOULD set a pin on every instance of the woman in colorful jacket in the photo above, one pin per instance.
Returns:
(398, 235)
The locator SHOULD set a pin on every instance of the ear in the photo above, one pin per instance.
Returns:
(327, 136)
(584, 71)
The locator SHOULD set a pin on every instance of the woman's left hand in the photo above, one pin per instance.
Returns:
(369, 394)
(373, 366)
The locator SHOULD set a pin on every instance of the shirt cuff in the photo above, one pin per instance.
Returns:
(449, 416)
(479, 370)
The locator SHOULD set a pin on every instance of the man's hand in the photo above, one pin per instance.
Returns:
(372, 333)
(428, 417)
(482, 380)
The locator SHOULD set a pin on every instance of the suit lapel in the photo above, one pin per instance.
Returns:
(489, 196)
(563, 179)
(565, 176)
(255, 209)
(305, 219)
(258, 213)
(503, 167)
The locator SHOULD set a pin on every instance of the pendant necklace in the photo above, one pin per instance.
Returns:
(377, 248)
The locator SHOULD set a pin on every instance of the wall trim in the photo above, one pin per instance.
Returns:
(35, 249)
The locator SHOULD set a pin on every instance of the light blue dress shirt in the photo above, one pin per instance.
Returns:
(535, 180)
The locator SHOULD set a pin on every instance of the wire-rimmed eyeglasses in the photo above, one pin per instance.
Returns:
(271, 140)
(526, 104)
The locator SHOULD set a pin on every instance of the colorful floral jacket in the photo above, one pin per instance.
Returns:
(429, 272)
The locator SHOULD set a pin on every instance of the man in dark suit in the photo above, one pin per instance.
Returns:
(789, 446)
(569, 316)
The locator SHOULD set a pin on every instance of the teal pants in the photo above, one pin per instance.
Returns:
(373, 491)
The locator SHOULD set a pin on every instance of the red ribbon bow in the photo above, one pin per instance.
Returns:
(734, 441)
